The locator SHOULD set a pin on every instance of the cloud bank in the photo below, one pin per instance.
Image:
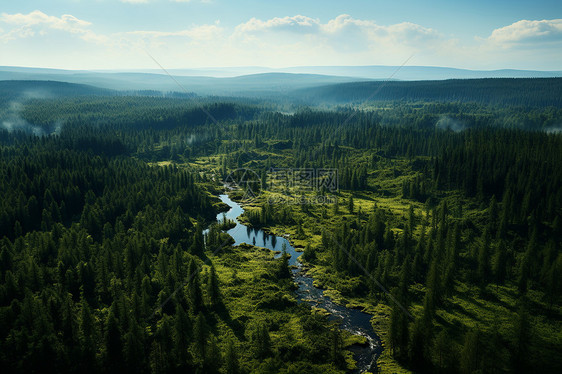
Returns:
(525, 31)
(278, 41)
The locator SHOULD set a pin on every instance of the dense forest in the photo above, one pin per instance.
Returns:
(532, 92)
(447, 228)
(104, 267)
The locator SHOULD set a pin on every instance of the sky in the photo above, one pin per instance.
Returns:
(123, 34)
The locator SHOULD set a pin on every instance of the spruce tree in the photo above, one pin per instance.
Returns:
(471, 354)
(231, 361)
(213, 290)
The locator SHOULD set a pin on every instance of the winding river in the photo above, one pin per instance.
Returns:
(352, 320)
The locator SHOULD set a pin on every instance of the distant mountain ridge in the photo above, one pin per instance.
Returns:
(254, 81)
(376, 72)
(298, 88)
(243, 85)
(423, 72)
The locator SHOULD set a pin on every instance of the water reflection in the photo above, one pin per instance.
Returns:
(351, 320)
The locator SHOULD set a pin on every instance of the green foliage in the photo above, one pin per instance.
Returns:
(103, 263)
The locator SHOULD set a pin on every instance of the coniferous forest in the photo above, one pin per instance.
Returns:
(446, 227)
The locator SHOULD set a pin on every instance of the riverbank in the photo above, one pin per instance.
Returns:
(380, 320)
(352, 318)
(493, 313)
(323, 279)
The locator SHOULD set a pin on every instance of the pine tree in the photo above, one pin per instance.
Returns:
(554, 280)
(261, 341)
(232, 364)
(200, 334)
(113, 343)
(336, 349)
(194, 287)
(484, 260)
(213, 291)
(523, 276)
(87, 339)
(411, 219)
(500, 263)
(197, 244)
(182, 336)
(309, 253)
(443, 347)
(283, 271)
(398, 333)
(213, 360)
(433, 292)
(417, 346)
(161, 358)
(493, 215)
(133, 349)
(471, 354)
(336, 209)
(521, 339)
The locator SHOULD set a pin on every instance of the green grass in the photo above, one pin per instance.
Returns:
(467, 309)
(252, 296)
(464, 311)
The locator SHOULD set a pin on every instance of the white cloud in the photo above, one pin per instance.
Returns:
(525, 31)
(66, 22)
(341, 25)
(202, 33)
(296, 23)
(39, 23)
(278, 41)
(17, 33)
(343, 34)
(344, 21)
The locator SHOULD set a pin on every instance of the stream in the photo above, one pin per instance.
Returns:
(352, 320)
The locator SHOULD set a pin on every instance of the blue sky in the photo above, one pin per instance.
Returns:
(116, 34)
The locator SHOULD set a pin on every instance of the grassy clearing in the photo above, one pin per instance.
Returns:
(253, 297)
(465, 310)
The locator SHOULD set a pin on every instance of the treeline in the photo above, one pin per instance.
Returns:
(139, 112)
(527, 92)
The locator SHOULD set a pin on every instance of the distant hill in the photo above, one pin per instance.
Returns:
(253, 81)
(375, 72)
(244, 85)
(508, 91)
(27, 89)
(420, 72)
(304, 88)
